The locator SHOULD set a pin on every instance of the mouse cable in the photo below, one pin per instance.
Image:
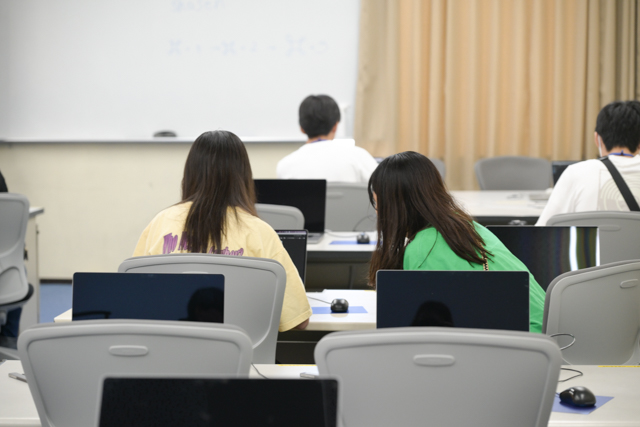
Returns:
(370, 217)
(326, 302)
(566, 335)
(259, 373)
(578, 374)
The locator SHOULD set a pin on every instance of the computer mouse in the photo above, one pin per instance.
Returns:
(578, 396)
(363, 238)
(339, 305)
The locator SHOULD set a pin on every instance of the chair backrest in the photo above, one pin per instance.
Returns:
(253, 294)
(439, 164)
(348, 207)
(513, 173)
(600, 307)
(14, 215)
(281, 217)
(619, 232)
(441, 376)
(65, 364)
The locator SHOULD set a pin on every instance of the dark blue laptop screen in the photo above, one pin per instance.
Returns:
(463, 299)
(171, 402)
(192, 297)
(308, 195)
(550, 251)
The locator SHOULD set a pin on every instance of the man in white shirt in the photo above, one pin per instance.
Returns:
(588, 185)
(323, 157)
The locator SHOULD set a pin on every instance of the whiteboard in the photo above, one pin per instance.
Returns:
(124, 69)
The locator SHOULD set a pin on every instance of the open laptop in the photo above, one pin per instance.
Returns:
(192, 297)
(295, 243)
(463, 299)
(550, 251)
(308, 195)
(220, 402)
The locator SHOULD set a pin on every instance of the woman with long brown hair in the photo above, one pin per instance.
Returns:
(217, 215)
(421, 227)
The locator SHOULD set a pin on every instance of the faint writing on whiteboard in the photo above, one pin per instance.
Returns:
(289, 46)
(196, 5)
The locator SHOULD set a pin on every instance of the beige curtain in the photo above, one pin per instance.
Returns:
(465, 79)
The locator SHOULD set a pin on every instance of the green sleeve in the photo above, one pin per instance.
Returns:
(536, 305)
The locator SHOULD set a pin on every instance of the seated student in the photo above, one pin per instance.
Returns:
(323, 157)
(217, 215)
(588, 185)
(425, 229)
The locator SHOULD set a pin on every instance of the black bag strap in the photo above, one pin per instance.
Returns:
(622, 186)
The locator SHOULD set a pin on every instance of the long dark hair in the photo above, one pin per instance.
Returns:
(217, 175)
(411, 196)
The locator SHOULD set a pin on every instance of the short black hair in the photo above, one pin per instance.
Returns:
(618, 124)
(318, 114)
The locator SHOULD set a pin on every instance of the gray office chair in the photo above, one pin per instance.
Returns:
(65, 364)
(253, 294)
(281, 217)
(513, 173)
(442, 376)
(348, 207)
(619, 232)
(600, 306)
(15, 290)
(439, 164)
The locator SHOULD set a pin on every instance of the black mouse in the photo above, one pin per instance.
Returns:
(578, 396)
(339, 305)
(363, 238)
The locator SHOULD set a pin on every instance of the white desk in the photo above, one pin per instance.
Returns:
(348, 243)
(31, 310)
(511, 204)
(325, 322)
(17, 407)
(343, 321)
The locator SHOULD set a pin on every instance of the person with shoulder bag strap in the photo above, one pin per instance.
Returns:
(621, 184)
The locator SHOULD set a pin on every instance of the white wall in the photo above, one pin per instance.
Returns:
(4, 69)
(99, 197)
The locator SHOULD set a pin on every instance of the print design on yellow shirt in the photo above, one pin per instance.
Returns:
(171, 241)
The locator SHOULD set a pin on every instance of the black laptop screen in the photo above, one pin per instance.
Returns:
(308, 195)
(464, 299)
(295, 243)
(193, 297)
(550, 251)
(172, 402)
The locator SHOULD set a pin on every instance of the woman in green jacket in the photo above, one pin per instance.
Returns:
(421, 227)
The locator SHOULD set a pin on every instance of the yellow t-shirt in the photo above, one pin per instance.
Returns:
(246, 236)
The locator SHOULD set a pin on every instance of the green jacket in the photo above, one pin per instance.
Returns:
(441, 257)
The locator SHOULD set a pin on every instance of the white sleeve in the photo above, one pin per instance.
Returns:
(563, 197)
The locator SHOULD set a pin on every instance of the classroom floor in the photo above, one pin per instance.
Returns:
(54, 300)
